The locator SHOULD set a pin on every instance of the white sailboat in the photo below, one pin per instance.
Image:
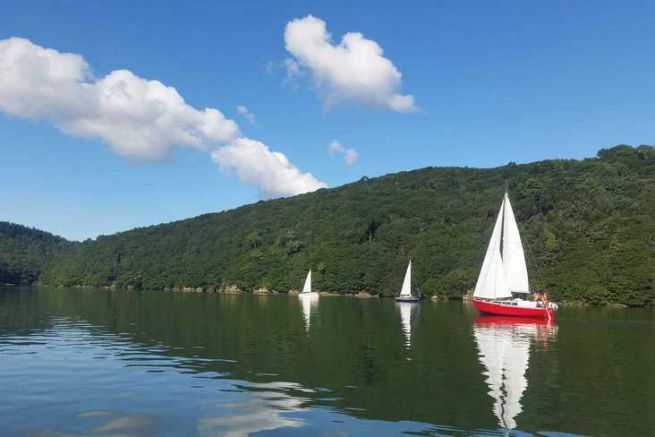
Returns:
(405, 294)
(308, 299)
(307, 288)
(504, 273)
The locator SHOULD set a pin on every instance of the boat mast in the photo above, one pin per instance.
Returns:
(406, 290)
(502, 223)
(418, 292)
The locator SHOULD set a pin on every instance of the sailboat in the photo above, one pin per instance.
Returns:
(307, 292)
(405, 294)
(502, 288)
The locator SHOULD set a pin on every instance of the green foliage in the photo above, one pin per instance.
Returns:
(588, 228)
(24, 251)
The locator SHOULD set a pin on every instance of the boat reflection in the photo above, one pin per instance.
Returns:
(308, 305)
(407, 311)
(504, 350)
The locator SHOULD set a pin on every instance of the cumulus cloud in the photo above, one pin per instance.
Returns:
(271, 171)
(242, 110)
(138, 118)
(352, 70)
(349, 155)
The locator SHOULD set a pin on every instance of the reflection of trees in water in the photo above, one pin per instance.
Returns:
(357, 352)
(22, 312)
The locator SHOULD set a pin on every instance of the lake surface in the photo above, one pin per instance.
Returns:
(157, 363)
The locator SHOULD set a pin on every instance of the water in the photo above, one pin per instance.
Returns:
(154, 363)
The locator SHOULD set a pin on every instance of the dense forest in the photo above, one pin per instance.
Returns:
(588, 227)
(24, 251)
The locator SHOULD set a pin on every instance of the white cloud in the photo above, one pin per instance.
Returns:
(293, 69)
(335, 147)
(349, 155)
(271, 171)
(138, 118)
(246, 114)
(353, 70)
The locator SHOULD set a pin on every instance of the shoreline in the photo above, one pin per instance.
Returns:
(361, 294)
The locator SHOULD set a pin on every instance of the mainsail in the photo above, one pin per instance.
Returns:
(407, 282)
(516, 273)
(307, 288)
(503, 269)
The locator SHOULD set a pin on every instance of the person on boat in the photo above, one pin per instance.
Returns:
(538, 298)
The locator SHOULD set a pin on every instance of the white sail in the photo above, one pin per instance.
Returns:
(307, 288)
(516, 272)
(505, 352)
(491, 281)
(407, 282)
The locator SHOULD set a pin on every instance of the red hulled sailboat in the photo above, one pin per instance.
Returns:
(502, 288)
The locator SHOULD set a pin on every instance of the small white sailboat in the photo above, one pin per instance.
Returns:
(405, 294)
(307, 288)
(504, 274)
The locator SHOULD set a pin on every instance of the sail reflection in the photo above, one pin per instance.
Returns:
(308, 305)
(504, 350)
(407, 311)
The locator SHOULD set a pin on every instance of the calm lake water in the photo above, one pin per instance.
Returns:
(156, 363)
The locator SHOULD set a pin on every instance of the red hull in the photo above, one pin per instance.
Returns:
(497, 309)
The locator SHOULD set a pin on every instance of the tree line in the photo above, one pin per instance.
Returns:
(588, 227)
(24, 251)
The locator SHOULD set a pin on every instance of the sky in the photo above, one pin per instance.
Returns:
(121, 114)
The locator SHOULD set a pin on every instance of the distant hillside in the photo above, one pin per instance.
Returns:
(588, 227)
(24, 251)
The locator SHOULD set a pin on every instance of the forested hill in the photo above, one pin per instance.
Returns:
(588, 227)
(24, 251)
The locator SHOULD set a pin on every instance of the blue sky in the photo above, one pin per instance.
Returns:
(493, 82)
